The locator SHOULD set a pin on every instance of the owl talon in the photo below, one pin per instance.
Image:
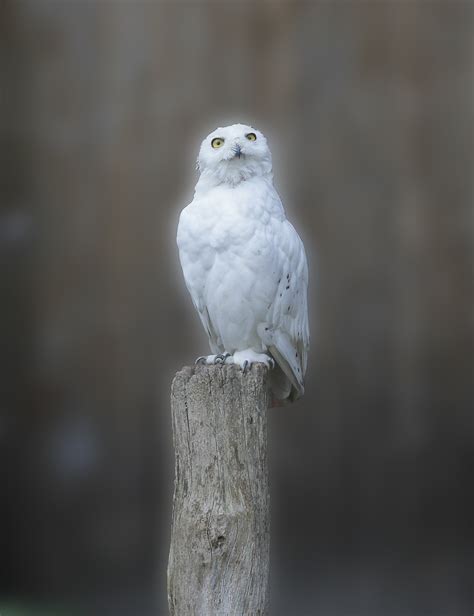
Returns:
(200, 360)
(221, 358)
(271, 363)
(245, 367)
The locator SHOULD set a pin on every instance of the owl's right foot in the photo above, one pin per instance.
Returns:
(208, 360)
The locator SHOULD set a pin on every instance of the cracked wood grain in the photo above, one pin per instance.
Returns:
(219, 555)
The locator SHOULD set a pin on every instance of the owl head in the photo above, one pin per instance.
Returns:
(232, 154)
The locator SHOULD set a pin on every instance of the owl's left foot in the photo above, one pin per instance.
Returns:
(245, 359)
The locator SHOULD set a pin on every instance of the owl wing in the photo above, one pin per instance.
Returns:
(195, 263)
(214, 341)
(287, 331)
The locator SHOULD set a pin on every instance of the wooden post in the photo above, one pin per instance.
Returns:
(219, 556)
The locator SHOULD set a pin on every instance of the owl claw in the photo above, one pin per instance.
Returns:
(246, 365)
(271, 363)
(200, 360)
(221, 358)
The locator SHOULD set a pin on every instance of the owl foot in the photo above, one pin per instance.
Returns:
(221, 358)
(245, 359)
(208, 360)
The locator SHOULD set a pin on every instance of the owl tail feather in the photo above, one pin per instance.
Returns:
(284, 390)
(283, 357)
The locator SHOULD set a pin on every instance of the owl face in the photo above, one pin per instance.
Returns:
(236, 153)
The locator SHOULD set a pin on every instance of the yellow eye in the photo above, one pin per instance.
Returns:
(217, 142)
(251, 136)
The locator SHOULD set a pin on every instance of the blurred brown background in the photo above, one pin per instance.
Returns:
(368, 107)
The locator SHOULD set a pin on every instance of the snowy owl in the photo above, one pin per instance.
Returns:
(243, 262)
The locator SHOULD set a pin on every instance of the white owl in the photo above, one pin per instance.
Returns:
(243, 262)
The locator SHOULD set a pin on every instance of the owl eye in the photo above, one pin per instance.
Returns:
(217, 142)
(251, 136)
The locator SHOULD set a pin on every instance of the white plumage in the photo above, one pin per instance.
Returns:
(243, 262)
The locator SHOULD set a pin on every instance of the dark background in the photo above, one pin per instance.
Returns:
(368, 108)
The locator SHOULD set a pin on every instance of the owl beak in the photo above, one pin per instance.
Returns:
(237, 151)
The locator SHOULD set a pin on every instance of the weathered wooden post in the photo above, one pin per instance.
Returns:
(219, 556)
